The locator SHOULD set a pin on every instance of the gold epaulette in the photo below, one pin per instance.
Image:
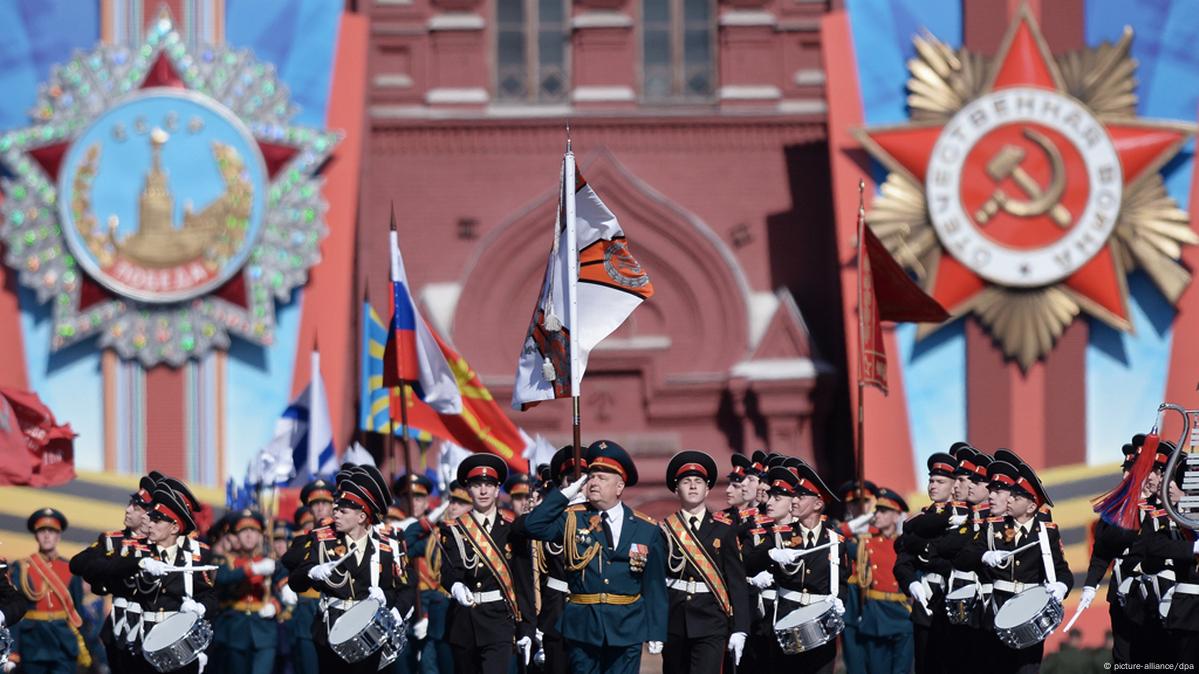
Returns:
(508, 516)
(576, 508)
(1053, 525)
(722, 517)
(747, 513)
(642, 516)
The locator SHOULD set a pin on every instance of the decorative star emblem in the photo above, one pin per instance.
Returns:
(1021, 192)
(47, 238)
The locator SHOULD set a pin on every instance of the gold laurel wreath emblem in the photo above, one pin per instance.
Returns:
(1150, 232)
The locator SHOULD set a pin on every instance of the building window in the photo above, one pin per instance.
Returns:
(531, 50)
(677, 49)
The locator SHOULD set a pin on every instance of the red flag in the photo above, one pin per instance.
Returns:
(886, 293)
(34, 449)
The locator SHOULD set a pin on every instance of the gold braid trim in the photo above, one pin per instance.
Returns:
(865, 576)
(27, 585)
(84, 659)
(574, 560)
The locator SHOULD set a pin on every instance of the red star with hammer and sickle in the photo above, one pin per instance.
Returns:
(1142, 147)
(161, 74)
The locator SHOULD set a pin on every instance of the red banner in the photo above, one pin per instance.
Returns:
(34, 449)
(873, 358)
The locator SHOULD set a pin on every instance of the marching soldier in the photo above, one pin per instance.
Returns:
(740, 494)
(428, 651)
(884, 629)
(804, 558)
(1016, 497)
(488, 571)
(95, 565)
(705, 575)
(966, 631)
(416, 488)
(317, 509)
(858, 500)
(352, 561)
(12, 608)
(922, 574)
(519, 487)
(615, 566)
(245, 581)
(48, 639)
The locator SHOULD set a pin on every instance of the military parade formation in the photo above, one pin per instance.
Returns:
(564, 576)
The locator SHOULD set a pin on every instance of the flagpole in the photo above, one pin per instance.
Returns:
(861, 435)
(572, 298)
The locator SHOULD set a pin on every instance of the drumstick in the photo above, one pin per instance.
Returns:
(1022, 548)
(811, 550)
(1077, 613)
(191, 569)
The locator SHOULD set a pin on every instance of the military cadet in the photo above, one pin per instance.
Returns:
(352, 561)
(518, 488)
(922, 574)
(884, 629)
(302, 522)
(94, 565)
(705, 575)
(412, 492)
(429, 653)
(488, 572)
(800, 578)
(966, 631)
(741, 493)
(48, 639)
(549, 561)
(317, 509)
(1016, 497)
(12, 610)
(858, 501)
(615, 566)
(245, 582)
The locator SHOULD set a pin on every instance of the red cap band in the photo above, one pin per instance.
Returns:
(47, 523)
(687, 467)
(942, 466)
(160, 508)
(610, 464)
(354, 498)
(888, 503)
(783, 485)
(323, 494)
(483, 471)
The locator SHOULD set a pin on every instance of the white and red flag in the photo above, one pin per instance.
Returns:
(592, 283)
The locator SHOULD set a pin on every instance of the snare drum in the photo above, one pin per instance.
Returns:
(961, 604)
(364, 628)
(1028, 618)
(5, 644)
(808, 627)
(176, 641)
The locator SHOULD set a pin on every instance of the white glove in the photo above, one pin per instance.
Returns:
(420, 629)
(1197, 547)
(1088, 596)
(995, 558)
(462, 595)
(783, 556)
(376, 593)
(736, 645)
(763, 580)
(920, 594)
(655, 648)
(202, 658)
(572, 490)
(838, 606)
(322, 572)
(288, 596)
(268, 610)
(860, 524)
(525, 644)
(8, 666)
(263, 567)
(956, 521)
(1, 619)
(1059, 590)
(190, 605)
(434, 516)
(153, 567)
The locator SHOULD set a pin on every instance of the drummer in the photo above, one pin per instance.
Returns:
(797, 500)
(317, 509)
(160, 593)
(244, 581)
(884, 630)
(350, 562)
(1016, 496)
(488, 572)
(12, 604)
(705, 575)
(48, 639)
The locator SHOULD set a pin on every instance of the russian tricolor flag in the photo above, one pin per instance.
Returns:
(412, 355)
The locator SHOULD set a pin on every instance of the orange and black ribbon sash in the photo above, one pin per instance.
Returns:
(51, 580)
(491, 556)
(698, 557)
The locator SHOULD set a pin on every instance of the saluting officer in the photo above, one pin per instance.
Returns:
(705, 575)
(352, 561)
(615, 566)
(48, 639)
(805, 558)
(95, 565)
(884, 629)
(1016, 497)
(244, 581)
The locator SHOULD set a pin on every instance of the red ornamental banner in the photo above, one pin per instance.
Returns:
(873, 358)
(34, 449)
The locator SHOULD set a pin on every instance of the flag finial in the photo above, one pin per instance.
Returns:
(568, 136)
(393, 215)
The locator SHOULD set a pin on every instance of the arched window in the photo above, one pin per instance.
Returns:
(531, 39)
(677, 53)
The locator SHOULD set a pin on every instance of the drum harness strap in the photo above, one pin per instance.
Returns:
(1016, 587)
(119, 604)
(804, 597)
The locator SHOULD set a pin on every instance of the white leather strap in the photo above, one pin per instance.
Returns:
(1046, 554)
(557, 584)
(1186, 588)
(688, 586)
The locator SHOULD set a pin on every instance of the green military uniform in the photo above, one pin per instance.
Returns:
(617, 587)
(883, 624)
(248, 617)
(48, 641)
(307, 608)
